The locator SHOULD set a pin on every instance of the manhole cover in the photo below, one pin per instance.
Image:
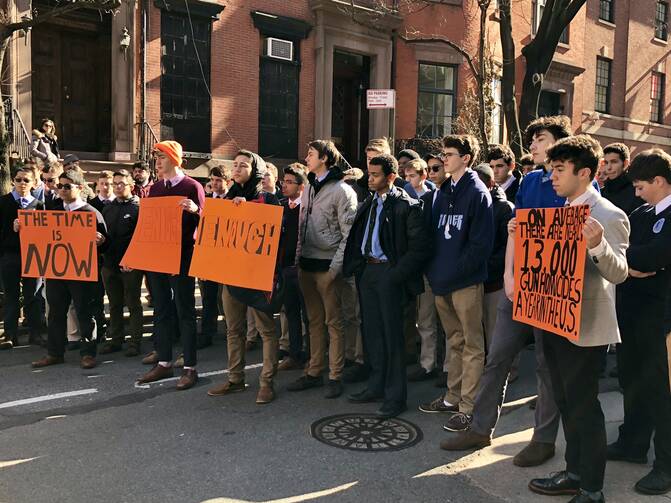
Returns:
(366, 432)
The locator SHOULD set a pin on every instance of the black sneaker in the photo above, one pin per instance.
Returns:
(438, 405)
(655, 482)
(333, 389)
(306, 382)
(458, 422)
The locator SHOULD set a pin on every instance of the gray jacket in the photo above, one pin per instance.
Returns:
(598, 324)
(325, 221)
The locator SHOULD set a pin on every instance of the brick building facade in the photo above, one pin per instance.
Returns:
(270, 75)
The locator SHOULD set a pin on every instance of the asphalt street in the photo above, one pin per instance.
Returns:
(72, 435)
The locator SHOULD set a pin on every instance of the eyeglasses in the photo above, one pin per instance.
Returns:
(49, 180)
(435, 168)
(65, 186)
(289, 182)
(448, 155)
(24, 180)
(120, 185)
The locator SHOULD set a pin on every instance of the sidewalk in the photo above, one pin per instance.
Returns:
(492, 469)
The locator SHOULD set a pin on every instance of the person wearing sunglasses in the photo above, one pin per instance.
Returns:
(44, 144)
(14, 285)
(52, 199)
(61, 292)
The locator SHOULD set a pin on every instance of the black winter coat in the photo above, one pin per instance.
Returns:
(403, 237)
(622, 194)
(121, 219)
(503, 212)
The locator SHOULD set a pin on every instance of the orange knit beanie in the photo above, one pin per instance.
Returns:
(172, 149)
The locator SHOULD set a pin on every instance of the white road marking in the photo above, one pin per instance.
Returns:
(45, 398)
(204, 374)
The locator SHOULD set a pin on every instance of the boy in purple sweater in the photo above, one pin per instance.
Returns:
(173, 182)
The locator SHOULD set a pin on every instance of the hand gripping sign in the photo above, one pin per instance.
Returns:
(550, 253)
(237, 245)
(58, 245)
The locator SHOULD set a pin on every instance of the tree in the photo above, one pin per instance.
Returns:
(7, 30)
(538, 54)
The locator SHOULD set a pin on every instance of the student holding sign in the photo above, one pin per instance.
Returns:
(10, 262)
(574, 364)
(60, 292)
(174, 182)
(248, 173)
(643, 357)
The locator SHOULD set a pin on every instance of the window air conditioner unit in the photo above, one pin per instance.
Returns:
(280, 49)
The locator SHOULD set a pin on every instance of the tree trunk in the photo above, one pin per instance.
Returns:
(508, 79)
(480, 79)
(5, 175)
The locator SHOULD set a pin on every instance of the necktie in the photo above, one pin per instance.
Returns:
(168, 184)
(371, 225)
(292, 205)
(106, 202)
(24, 202)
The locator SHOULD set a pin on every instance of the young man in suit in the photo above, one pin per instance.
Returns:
(60, 293)
(386, 249)
(574, 365)
(502, 161)
(618, 188)
(10, 262)
(641, 302)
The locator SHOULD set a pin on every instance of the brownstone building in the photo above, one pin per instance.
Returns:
(270, 75)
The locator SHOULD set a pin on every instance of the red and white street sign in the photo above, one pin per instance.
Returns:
(380, 98)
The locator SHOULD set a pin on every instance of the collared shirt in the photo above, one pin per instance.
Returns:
(74, 205)
(294, 202)
(599, 249)
(106, 200)
(376, 249)
(321, 178)
(218, 196)
(179, 176)
(662, 205)
(505, 185)
(23, 201)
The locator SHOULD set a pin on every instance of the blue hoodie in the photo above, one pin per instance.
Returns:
(461, 251)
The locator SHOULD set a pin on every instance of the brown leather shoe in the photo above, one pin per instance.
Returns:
(150, 358)
(156, 374)
(289, 364)
(87, 362)
(265, 395)
(227, 388)
(534, 454)
(188, 380)
(465, 440)
(47, 360)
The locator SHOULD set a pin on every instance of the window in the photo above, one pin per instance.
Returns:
(661, 20)
(436, 102)
(278, 103)
(602, 93)
(657, 97)
(497, 112)
(185, 81)
(537, 7)
(606, 11)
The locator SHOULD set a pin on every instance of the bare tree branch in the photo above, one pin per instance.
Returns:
(438, 38)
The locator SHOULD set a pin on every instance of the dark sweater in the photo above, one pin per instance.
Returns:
(460, 255)
(620, 191)
(290, 233)
(188, 188)
(121, 218)
(503, 212)
(9, 211)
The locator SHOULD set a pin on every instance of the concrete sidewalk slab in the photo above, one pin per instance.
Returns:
(492, 469)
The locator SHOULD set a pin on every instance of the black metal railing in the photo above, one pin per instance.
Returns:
(18, 138)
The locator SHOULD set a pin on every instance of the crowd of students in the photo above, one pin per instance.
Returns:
(410, 252)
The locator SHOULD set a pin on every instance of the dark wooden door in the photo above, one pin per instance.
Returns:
(349, 115)
(69, 86)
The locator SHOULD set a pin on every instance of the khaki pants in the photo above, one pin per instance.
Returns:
(427, 326)
(349, 301)
(460, 313)
(322, 297)
(252, 331)
(236, 314)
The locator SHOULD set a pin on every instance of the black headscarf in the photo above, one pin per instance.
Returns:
(251, 189)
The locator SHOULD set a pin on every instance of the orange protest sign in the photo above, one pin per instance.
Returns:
(237, 245)
(550, 254)
(58, 245)
(157, 241)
